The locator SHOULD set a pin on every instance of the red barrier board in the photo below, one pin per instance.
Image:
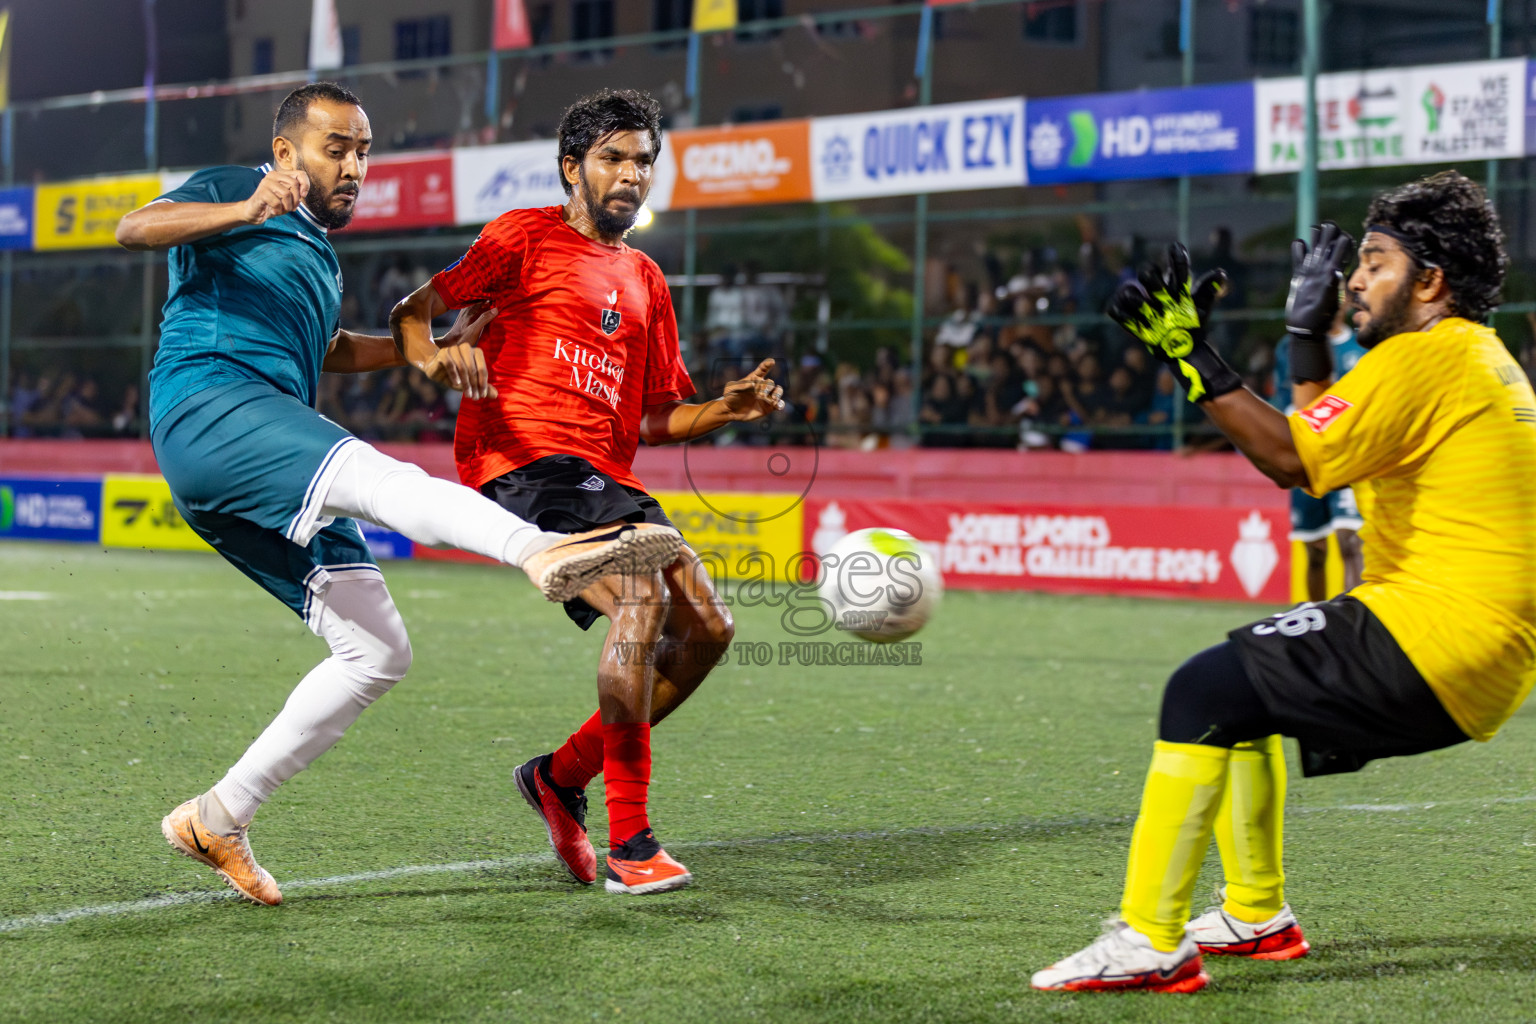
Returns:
(1092, 479)
(405, 192)
(1232, 554)
(427, 554)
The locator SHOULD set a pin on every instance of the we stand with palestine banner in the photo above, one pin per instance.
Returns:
(1426, 115)
(1436, 114)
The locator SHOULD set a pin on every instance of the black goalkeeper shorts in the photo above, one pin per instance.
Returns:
(565, 494)
(1332, 676)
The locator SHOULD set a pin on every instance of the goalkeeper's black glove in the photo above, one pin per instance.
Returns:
(1162, 312)
(1317, 277)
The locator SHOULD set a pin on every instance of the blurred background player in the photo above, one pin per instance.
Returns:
(1335, 513)
(250, 323)
(1438, 642)
(584, 363)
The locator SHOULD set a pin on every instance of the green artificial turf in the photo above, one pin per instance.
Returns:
(882, 843)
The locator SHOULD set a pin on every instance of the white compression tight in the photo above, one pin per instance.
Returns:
(370, 652)
(401, 497)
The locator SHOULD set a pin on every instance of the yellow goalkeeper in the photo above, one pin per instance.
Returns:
(1437, 644)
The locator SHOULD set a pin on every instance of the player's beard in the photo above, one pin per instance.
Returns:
(1389, 319)
(318, 200)
(608, 223)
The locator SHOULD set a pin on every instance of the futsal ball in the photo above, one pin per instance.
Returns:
(880, 584)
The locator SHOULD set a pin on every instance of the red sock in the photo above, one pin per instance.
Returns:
(627, 773)
(581, 759)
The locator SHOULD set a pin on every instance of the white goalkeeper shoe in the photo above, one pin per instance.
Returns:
(1123, 958)
(1220, 934)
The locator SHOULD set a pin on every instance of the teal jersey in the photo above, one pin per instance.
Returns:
(1346, 353)
(258, 302)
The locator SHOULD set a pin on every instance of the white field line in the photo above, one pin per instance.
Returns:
(25, 595)
(16, 924)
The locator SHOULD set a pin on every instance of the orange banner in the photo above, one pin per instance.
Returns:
(746, 165)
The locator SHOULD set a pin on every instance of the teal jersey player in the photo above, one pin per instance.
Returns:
(1336, 513)
(257, 302)
(273, 486)
(1347, 351)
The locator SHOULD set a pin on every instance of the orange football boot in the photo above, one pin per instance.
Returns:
(572, 563)
(641, 866)
(230, 856)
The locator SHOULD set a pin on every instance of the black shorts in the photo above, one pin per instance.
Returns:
(565, 494)
(1336, 680)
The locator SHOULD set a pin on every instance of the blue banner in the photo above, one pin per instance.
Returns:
(39, 508)
(1161, 133)
(15, 218)
(384, 543)
(1528, 101)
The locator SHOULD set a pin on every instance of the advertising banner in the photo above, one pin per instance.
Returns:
(137, 512)
(1434, 114)
(84, 214)
(411, 191)
(40, 508)
(1158, 133)
(739, 536)
(743, 536)
(1210, 553)
(1360, 120)
(1530, 107)
(946, 148)
(385, 544)
(490, 180)
(1466, 112)
(15, 218)
(746, 166)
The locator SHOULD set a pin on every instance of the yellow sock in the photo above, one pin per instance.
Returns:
(1248, 830)
(1173, 831)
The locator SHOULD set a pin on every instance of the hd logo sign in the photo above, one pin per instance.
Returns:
(47, 509)
(1153, 134)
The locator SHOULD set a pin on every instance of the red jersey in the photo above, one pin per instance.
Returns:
(585, 339)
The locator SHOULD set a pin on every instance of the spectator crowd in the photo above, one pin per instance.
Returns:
(1020, 360)
(1023, 361)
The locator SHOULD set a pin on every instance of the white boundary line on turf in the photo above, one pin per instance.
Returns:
(16, 924)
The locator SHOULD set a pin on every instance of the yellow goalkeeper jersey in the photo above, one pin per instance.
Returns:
(1439, 427)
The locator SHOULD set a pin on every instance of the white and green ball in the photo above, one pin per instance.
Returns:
(880, 584)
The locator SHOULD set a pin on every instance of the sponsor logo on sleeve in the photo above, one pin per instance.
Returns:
(1321, 414)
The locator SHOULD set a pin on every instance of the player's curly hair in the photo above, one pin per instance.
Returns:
(1446, 220)
(294, 109)
(595, 117)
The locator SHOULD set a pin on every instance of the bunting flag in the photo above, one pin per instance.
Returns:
(5, 58)
(713, 15)
(324, 36)
(511, 30)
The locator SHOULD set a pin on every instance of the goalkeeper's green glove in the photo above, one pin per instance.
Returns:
(1164, 314)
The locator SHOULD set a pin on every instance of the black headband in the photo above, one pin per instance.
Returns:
(1410, 245)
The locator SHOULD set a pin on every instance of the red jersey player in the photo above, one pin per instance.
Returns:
(579, 365)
